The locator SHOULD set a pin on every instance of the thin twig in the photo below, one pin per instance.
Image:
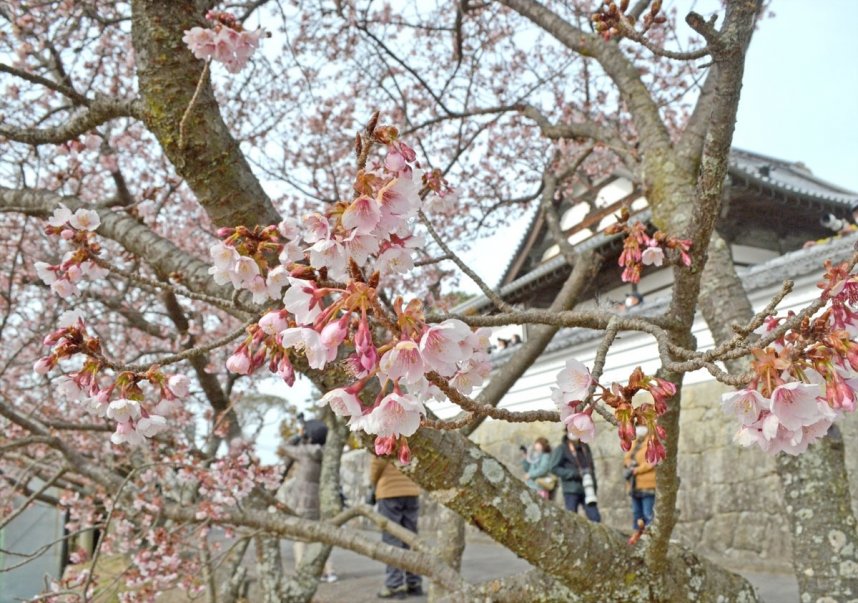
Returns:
(487, 291)
(191, 104)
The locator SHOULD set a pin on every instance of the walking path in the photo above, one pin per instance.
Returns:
(360, 578)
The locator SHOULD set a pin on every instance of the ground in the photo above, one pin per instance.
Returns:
(360, 578)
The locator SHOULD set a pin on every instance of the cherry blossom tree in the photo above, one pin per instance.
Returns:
(197, 196)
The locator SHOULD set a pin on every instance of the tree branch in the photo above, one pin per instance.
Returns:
(98, 112)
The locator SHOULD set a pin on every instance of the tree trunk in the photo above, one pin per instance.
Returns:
(186, 119)
(817, 499)
(819, 507)
(566, 546)
(450, 544)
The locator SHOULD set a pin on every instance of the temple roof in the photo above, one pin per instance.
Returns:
(752, 176)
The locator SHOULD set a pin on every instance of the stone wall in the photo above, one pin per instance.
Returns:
(730, 498)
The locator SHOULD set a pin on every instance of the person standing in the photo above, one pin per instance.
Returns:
(301, 493)
(398, 500)
(572, 462)
(537, 468)
(640, 480)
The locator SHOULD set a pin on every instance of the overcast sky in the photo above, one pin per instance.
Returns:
(800, 97)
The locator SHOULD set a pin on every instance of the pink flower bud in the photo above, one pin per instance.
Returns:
(67, 234)
(238, 363)
(384, 445)
(285, 370)
(43, 365)
(179, 385)
(74, 273)
(404, 453)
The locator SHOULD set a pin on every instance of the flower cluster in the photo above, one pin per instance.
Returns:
(610, 20)
(120, 400)
(640, 249)
(226, 41)
(807, 378)
(576, 385)
(232, 477)
(78, 229)
(332, 264)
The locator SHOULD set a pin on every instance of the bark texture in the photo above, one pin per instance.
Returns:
(449, 547)
(567, 547)
(818, 501)
(201, 147)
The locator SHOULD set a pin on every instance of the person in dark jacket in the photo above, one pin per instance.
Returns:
(572, 462)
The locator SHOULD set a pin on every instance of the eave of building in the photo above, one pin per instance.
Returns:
(744, 168)
(789, 266)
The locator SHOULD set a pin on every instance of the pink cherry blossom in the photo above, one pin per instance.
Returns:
(316, 228)
(403, 361)
(301, 300)
(362, 215)
(61, 216)
(126, 434)
(652, 256)
(221, 276)
(85, 219)
(330, 254)
(259, 288)
(396, 414)
(310, 341)
(74, 273)
(439, 346)
(795, 404)
(472, 373)
(238, 363)
(43, 365)
(745, 404)
(70, 318)
(395, 259)
(123, 410)
(342, 402)
(334, 333)
(278, 277)
(179, 385)
(97, 405)
(289, 228)
(274, 322)
(292, 252)
(400, 197)
(243, 271)
(93, 271)
(574, 381)
(286, 370)
(64, 288)
(223, 256)
(359, 247)
(151, 426)
(365, 350)
(404, 453)
(581, 424)
(384, 445)
(200, 41)
(69, 388)
(46, 272)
